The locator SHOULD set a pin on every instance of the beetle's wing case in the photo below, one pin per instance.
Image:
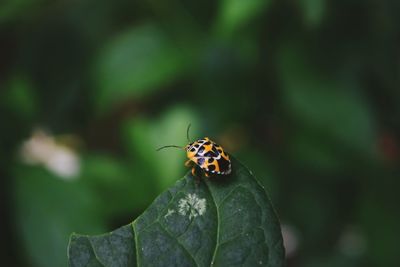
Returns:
(209, 156)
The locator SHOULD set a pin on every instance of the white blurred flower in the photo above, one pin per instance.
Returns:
(42, 149)
(290, 239)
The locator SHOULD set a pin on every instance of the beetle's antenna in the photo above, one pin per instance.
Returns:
(187, 132)
(158, 149)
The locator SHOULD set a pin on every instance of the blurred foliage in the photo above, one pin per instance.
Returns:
(135, 64)
(306, 93)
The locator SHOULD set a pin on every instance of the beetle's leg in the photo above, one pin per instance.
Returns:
(188, 163)
(196, 175)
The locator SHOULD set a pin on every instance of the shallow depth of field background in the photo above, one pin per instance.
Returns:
(305, 93)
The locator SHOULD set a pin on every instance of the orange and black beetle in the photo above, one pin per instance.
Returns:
(207, 155)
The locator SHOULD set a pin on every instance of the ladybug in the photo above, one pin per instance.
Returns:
(207, 155)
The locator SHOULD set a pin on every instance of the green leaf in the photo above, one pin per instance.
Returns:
(113, 177)
(113, 249)
(142, 133)
(325, 102)
(234, 14)
(313, 11)
(221, 221)
(47, 210)
(136, 63)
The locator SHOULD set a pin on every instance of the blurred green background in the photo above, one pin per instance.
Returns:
(305, 93)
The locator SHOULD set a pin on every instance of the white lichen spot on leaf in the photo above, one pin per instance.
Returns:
(169, 213)
(192, 205)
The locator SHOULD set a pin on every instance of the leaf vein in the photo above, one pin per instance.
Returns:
(218, 226)
(136, 244)
(94, 252)
(179, 243)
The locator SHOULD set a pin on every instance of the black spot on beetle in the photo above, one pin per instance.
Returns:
(211, 167)
(207, 143)
(220, 150)
(210, 154)
(224, 164)
(210, 160)
(201, 150)
(214, 149)
(192, 149)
